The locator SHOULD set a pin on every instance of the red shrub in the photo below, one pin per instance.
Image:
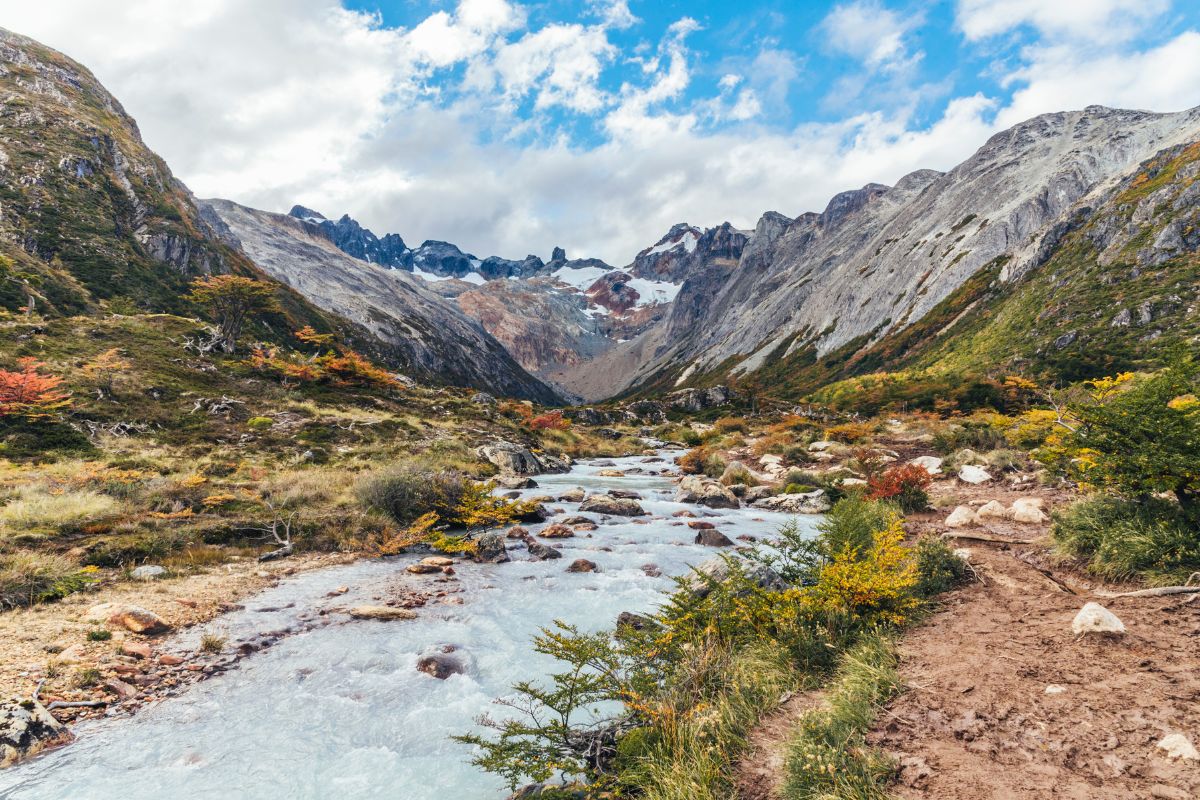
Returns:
(550, 421)
(906, 484)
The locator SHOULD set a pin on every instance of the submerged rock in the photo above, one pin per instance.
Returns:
(583, 565)
(441, 665)
(383, 613)
(539, 551)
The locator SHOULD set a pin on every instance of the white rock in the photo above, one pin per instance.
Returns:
(1028, 510)
(770, 459)
(853, 482)
(932, 464)
(1178, 746)
(1054, 688)
(970, 473)
(1095, 618)
(960, 517)
(817, 447)
(963, 553)
(992, 508)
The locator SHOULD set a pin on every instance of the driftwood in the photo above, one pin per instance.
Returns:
(983, 537)
(1025, 559)
(76, 704)
(1160, 591)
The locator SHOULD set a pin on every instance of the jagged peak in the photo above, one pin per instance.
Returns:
(305, 213)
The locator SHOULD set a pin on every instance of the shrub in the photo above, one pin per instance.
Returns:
(702, 461)
(212, 643)
(38, 508)
(260, 423)
(969, 434)
(550, 421)
(739, 474)
(850, 432)
(99, 635)
(27, 577)
(406, 493)
(30, 394)
(731, 425)
(1120, 538)
(905, 484)
(938, 569)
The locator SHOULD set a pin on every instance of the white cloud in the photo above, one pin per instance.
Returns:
(1093, 20)
(282, 101)
(868, 31)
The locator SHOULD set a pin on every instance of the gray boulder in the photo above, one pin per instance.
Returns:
(490, 549)
(816, 502)
(616, 506)
(541, 552)
(510, 458)
(716, 569)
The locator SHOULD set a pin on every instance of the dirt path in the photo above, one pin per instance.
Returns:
(1004, 701)
(761, 770)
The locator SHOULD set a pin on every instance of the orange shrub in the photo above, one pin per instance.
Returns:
(30, 394)
(850, 432)
(550, 421)
(907, 484)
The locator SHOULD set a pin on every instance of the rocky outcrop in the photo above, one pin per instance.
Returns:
(614, 506)
(816, 502)
(706, 492)
(717, 570)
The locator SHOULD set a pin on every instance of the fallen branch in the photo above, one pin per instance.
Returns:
(1160, 591)
(983, 537)
(1025, 559)
(76, 704)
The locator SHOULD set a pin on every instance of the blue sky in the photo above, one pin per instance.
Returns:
(509, 127)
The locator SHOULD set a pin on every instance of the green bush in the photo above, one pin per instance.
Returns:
(1119, 538)
(260, 423)
(971, 435)
(406, 493)
(938, 569)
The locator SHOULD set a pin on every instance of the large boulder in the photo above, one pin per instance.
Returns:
(1095, 618)
(960, 517)
(616, 506)
(1028, 510)
(539, 551)
(973, 473)
(441, 665)
(130, 617)
(699, 399)
(705, 492)
(490, 549)
(815, 502)
(711, 537)
(510, 458)
(931, 464)
(514, 482)
(27, 728)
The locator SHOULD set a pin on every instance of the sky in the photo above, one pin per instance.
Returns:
(511, 127)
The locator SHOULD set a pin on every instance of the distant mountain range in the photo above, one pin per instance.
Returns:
(1066, 246)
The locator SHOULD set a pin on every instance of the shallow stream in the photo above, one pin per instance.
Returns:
(340, 711)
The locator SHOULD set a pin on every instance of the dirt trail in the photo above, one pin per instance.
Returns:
(761, 770)
(1004, 701)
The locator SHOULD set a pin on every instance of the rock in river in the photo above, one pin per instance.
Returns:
(27, 728)
(490, 549)
(381, 613)
(616, 506)
(711, 537)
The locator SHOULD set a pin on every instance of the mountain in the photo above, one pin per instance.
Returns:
(432, 335)
(92, 220)
(880, 259)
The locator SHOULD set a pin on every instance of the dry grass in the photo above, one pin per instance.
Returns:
(36, 508)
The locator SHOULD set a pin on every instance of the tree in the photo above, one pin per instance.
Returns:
(28, 393)
(230, 298)
(104, 368)
(1142, 437)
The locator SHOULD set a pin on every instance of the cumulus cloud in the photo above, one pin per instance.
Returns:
(1092, 20)
(446, 130)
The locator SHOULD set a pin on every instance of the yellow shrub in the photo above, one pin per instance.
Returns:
(850, 432)
(877, 584)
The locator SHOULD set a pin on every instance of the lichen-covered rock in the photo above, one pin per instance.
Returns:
(490, 548)
(27, 728)
(132, 618)
(815, 502)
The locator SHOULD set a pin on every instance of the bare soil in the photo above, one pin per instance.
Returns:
(760, 772)
(1004, 701)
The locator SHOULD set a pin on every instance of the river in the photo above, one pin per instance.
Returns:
(339, 711)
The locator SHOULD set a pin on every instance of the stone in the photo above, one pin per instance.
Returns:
(572, 496)
(770, 459)
(625, 494)
(852, 482)
(1028, 510)
(611, 473)
(585, 527)
(27, 728)
(437, 561)
(422, 569)
(683, 513)
(821, 446)
(616, 506)
(168, 660)
(1176, 745)
(120, 688)
(537, 512)
(136, 649)
(717, 569)
(382, 613)
(1055, 688)
(556, 531)
(517, 532)
(147, 572)
(71, 655)
(512, 459)
(713, 538)
(539, 551)
(490, 548)
(514, 482)
(700, 525)
(1095, 618)
(993, 509)
(815, 502)
(483, 399)
(583, 565)
(756, 493)
(132, 618)
(440, 665)
(931, 464)
(972, 473)
(960, 517)
(637, 622)
(576, 519)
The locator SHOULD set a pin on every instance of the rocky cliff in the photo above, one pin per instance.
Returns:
(879, 259)
(431, 333)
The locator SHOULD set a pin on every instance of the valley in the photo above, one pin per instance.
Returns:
(895, 499)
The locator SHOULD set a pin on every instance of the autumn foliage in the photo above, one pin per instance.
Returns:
(550, 421)
(30, 394)
(344, 369)
(906, 484)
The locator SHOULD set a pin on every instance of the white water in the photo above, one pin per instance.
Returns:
(340, 711)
